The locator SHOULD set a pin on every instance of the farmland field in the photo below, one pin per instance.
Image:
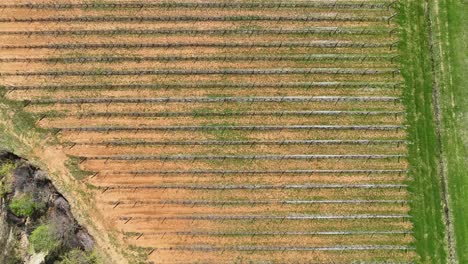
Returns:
(230, 131)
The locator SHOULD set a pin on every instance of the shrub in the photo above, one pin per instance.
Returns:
(6, 169)
(42, 239)
(25, 206)
(5, 187)
(76, 256)
(5, 181)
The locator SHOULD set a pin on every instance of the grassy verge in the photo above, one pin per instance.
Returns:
(452, 39)
(432, 68)
(425, 184)
(16, 125)
(20, 135)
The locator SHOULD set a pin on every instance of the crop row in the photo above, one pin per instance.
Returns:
(289, 233)
(402, 217)
(259, 187)
(141, 19)
(250, 172)
(286, 206)
(226, 113)
(248, 157)
(244, 142)
(246, 128)
(217, 99)
(316, 44)
(301, 58)
(214, 85)
(205, 248)
(257, 202)
(352, 71)
(198, 5)
(318, 30)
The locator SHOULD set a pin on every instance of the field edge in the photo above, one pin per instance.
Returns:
(425, 184)
(435, 98)
(451, 38)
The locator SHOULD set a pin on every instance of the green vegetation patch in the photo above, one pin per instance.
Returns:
(18, 126)
(452, 34)
(73, 165)
(5, 179)
(43, 239)
(76, 256)
(434, 48)
(425, 187)
(25, 206)
(6, 169)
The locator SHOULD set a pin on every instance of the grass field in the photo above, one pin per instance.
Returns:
(436, 81)
(247, 131)
(454, 106)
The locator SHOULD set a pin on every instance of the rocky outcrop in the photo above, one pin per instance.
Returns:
(24, 179)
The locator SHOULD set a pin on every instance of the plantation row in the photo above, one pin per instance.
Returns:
(223, 202)
(232, 164)
(277, 233)
(247, 128)
(234, 202)
(253, 248)
(249, 209)
(196, 5)
(251, 172)
(302, 58)
(265, 217)
(245, 142)
(249, 157)
(147, 185)
(318, 30)
(204, 72)
(223, 114)
(219, 99)
(260, 187)
(248, 125)
(317, 44)
(213, 85)
(197, 18)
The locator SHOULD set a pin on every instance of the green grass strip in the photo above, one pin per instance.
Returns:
(450, 35)
(425, 188)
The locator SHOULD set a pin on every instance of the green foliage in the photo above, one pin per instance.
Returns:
(5, 181)
(25, 206)
(42, 239)
(6, 169)
(76, 256)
